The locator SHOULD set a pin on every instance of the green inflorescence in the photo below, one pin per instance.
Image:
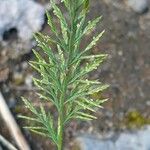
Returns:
(63, 74)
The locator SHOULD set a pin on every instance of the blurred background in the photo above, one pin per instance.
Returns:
(127, 70)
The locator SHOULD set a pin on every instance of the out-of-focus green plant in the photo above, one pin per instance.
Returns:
(135, 119)
(63, 74)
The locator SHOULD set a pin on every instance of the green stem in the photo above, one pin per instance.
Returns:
(60, 130)
(61, 118)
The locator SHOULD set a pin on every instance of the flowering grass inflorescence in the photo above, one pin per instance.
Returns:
(63, 74)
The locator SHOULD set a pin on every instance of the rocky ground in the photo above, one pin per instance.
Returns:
(127, 71)
(138, 140)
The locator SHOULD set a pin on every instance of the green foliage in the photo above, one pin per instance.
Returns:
(63, 75)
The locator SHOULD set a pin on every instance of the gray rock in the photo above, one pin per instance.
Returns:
(124, 141)
(26, 16)
(138, 6)
(1, 148)
(91, 143)
(128, 142)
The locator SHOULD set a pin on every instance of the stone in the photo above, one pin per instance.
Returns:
(138, 140)
(1, 148)
(18, 78)
(91, 143)
(139, 6)
(144, 136)
(19, 19)
(25, 16)
(28, 80)
(128, 142)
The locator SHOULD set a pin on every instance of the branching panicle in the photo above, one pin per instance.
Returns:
(63, 75)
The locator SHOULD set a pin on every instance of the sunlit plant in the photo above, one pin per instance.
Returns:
(63, 72)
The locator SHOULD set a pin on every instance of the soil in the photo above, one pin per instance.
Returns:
(126, 40)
